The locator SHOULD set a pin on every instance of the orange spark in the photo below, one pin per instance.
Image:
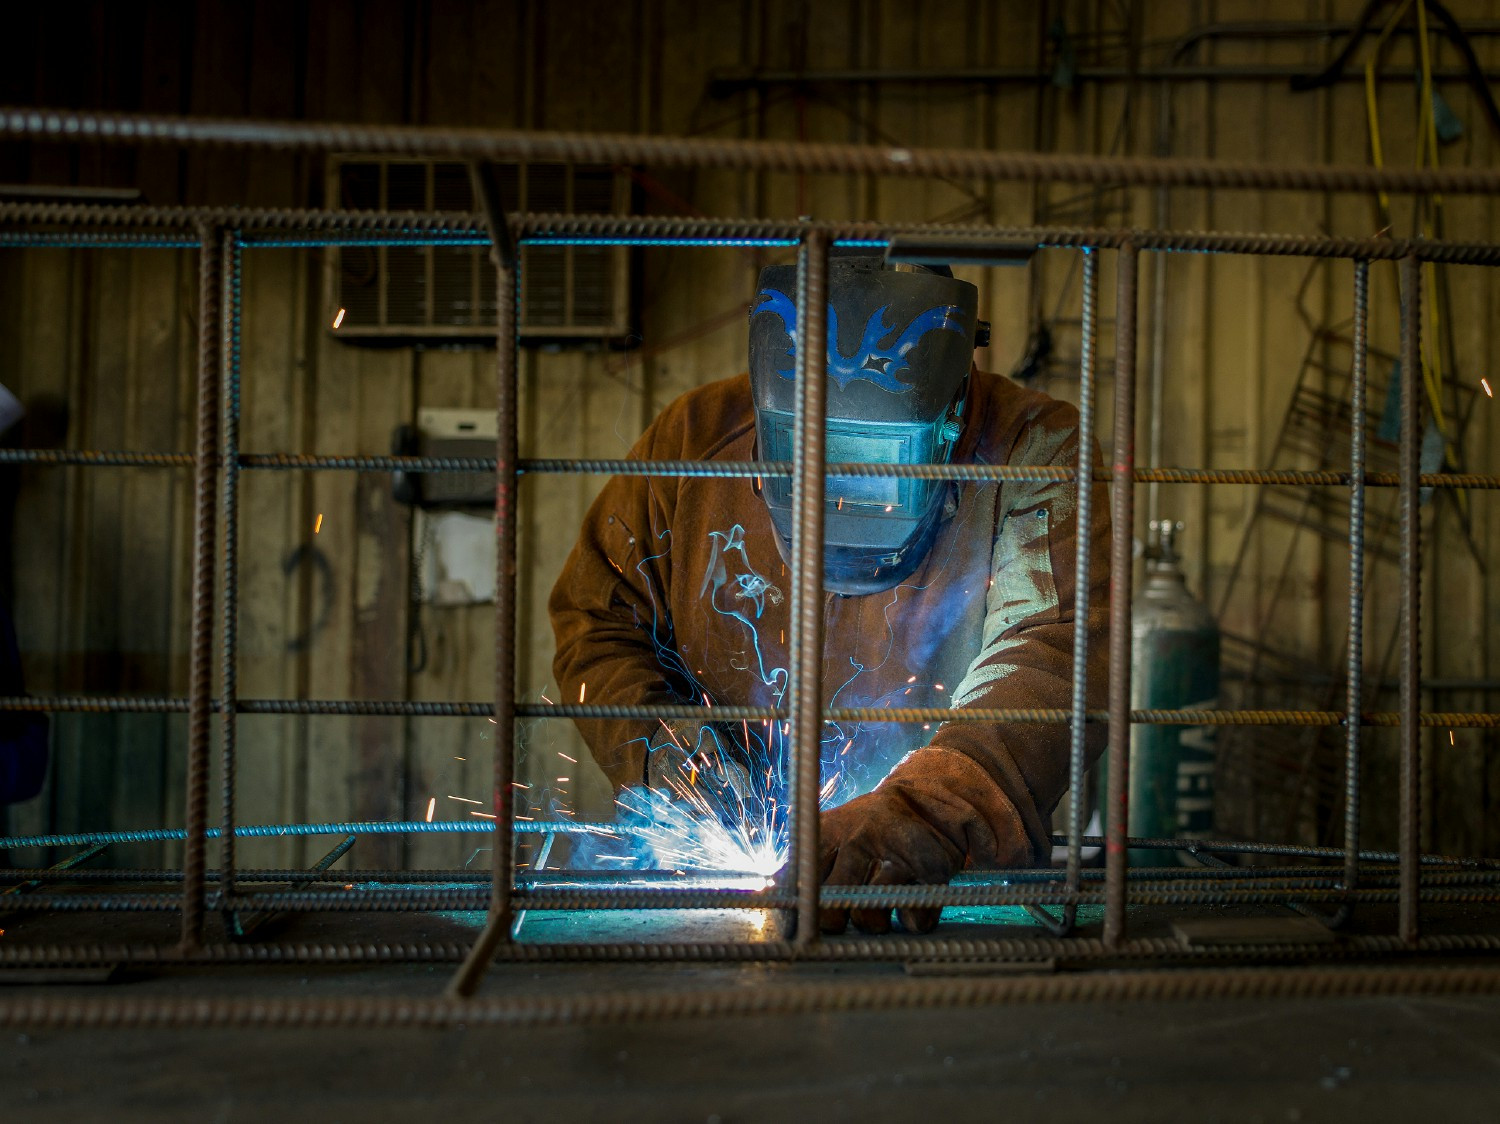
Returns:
(582, 690)
(318, 526)
(431, 804)
(338, 319)
(1486, 384)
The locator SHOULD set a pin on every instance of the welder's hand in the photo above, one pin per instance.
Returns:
(701, 763)
(889, 837)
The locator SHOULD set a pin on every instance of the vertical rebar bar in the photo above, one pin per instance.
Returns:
(230, 450)
(1117, 798)
(1077, 817)
(498, 926)
(1411, 592)
(1354, 688)
(200, 661)
(806, 671)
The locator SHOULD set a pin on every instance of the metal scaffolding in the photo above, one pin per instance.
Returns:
(1342, 877)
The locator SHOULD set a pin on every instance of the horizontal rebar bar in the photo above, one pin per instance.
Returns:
(48, 1012)
(76, 127)
(523, 827)
(893, 948)
(1466, 888)
(975, 473)
(150, 704)
(289, 227)
(688, 878)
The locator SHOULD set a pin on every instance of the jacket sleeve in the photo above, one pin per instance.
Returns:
(1007, 778)
(611, 617)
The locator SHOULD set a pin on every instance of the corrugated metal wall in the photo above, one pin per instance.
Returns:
(101, 558)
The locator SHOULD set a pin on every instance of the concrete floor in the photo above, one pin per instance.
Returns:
(1311, 1060)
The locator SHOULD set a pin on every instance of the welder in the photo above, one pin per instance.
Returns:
(937, 593)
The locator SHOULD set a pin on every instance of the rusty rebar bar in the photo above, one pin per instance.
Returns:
(789, 998)
(483, 145)
(968, 473)
(1354, 687)
(497, 929)
(806, 671)
(1083, 553)
(1410, 793)
(261, 227)
(229, 445)
(408, 708)
(1117, 799)
(200, 663)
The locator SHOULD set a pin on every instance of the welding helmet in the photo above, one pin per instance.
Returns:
(900, 346)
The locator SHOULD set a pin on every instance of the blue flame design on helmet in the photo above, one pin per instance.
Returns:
(869, 361)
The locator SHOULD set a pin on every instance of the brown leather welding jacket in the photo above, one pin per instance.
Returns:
(676, 592)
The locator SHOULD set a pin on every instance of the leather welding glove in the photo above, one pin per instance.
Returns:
(700, 762)
(936, 812)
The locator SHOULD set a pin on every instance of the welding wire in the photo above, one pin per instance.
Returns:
(200, 663)
(1411, 595)
(1081, 570)
(1354, 686)
(806, 670)
(229, 446)
(497, 929)
(1117, 793)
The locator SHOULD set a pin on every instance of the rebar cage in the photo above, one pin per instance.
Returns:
(1339, 878)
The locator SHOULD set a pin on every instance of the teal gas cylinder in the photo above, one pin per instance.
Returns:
(1174, 666)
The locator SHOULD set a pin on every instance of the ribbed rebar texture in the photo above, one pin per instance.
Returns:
(306, 228)
(978, 473)
(1354, 687)
(229, 590)
(1077, 813)
(200, 664)
(702, 152)
(497, 930)
(804, 997)
(406, 708)
(1121, 561)
(428, 898)
(806, 672)
(1411, 594)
